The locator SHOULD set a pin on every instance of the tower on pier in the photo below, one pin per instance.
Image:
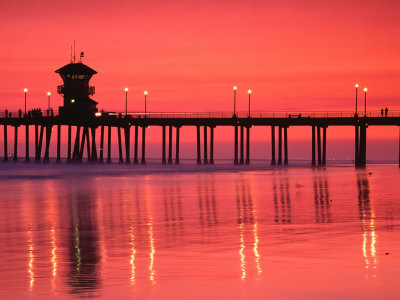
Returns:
(76, 90)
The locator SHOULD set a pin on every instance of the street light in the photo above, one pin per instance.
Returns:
(249, 92)
(126, 101)
(356, 86)
(365, 102)
(48, 100)
(145, 103)
(25, 91)
(234, 100)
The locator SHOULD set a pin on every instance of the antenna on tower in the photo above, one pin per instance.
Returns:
(71, 55)
(74, 51)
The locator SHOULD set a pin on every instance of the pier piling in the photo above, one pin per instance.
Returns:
(109, 145)
(235, 160)
(198, 145)
(15, 159)
(163, 159)
(177, 160)
(170, 145)
(27, 159)
(273, 162)
(143, 145)
(205, 160)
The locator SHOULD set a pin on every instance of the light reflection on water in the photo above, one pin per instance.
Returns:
(286, 233)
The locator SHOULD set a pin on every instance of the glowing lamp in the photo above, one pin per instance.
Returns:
(235, 87)
(249, 91)
(98, 114)
(72, 100)
(356, 85)
(365, 90)
(48, 93)
(25, 90)
(145, 92)
(126, 89)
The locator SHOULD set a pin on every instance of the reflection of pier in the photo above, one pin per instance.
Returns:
(282, 202)
(172, 199)
(367, 217)
(247, 221)
(321, 199)
(83, 246)
(207, 205)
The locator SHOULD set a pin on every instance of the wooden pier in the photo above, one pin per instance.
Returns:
(205, 123)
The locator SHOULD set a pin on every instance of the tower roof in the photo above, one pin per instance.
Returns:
(76, 68)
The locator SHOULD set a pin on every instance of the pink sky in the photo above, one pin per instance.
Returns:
(294, 55)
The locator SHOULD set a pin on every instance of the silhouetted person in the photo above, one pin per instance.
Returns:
(382, 112)
(386, 112)
(20, 113)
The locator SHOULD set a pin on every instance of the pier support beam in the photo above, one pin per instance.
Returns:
(27, 159)
(135, 154)
(313, 146)
(82, 145)
(362, 152)
(211, 145)
(357, 145)
(109, 146)
(273, 162)
(127, 131)
(319, 145)
(39, 146)
(170, 145)
(58, 159)
(143, 145)
(247, 145)
(177, 161)
(235, 160)
(163, 159)
(101, 160)
(205, 160)
(286, 145)
(89, 157)
(46, 157)
(15, 159)
(36, 140)
(324, 146)
(76, 144)
(5, 143)
(241, 145)
(280, 145)
(94, 148)
(69, 144)
(121, 160)
(198, 145)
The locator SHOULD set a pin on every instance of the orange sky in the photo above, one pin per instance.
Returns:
(294, 56)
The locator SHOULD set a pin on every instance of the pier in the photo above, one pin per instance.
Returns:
(79, 115)
(87, 129)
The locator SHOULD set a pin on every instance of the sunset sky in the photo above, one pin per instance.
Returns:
(294, 55)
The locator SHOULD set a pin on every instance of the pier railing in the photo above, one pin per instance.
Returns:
(222, 115)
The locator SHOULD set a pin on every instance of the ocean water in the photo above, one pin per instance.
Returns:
(199, 232)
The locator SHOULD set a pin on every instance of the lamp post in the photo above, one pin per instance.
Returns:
(126, 101)
(48, 100)
(234, 100)
(145, 103)
(25, 91)
(356, 86)
(249, 92)
(365, 102)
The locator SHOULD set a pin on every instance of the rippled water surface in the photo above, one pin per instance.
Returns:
(110, 232)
